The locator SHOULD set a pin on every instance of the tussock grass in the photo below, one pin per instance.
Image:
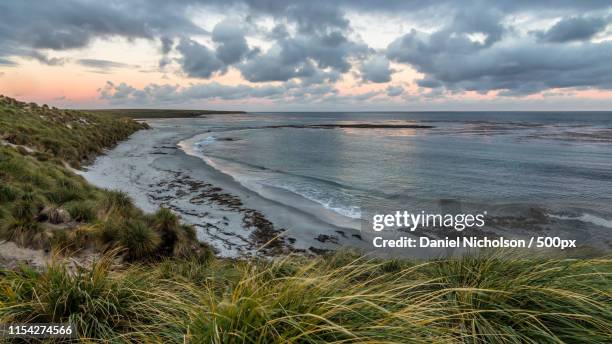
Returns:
(343, 298)
(115, 201)
(82, 211)
(140, 240)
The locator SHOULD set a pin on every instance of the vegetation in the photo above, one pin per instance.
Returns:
(154, 283)
(45, 205)
(342, 298)
(72, 136)
(160, 113)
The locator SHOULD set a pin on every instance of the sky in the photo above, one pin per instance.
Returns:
(345, 55)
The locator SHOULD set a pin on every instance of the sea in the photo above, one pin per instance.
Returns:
(553, 164)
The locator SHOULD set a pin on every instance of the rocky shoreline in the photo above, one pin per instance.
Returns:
(265, 237)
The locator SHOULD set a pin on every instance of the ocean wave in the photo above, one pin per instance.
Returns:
(317, 196)
(205, 142)
(306, 190)
(585, 217)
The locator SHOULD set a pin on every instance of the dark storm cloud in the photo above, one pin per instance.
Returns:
(574, 29)
(26, 27)
(518, 67)
(69, 24)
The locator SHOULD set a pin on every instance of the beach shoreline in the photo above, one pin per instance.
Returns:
(152, 168)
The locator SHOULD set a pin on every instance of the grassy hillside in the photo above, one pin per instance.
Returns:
(44, 205)
(159, 113)
(66, 134)
(155, 284)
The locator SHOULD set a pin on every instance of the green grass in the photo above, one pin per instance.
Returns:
(343, 298)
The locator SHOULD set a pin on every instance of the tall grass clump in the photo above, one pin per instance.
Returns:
(21, 225)
(108, 233)
(117, 202)
(7, 193)
(140, 240)
(167, 224)
(99, 304)
(82, 211)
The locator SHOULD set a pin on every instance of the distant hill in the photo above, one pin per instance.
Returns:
(161, 113)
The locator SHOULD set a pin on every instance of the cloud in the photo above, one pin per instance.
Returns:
(73, 24)
(232, 46)
(123, 93)
(376, 69)
(167, 44)
(314, 56)
(198, 60)
(515, 66)
(103, 64)
(45, 59)
(30, 30)
(574, 29)
(394, 91)
(5, 62)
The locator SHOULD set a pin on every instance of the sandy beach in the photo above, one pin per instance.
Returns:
(153, 169)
